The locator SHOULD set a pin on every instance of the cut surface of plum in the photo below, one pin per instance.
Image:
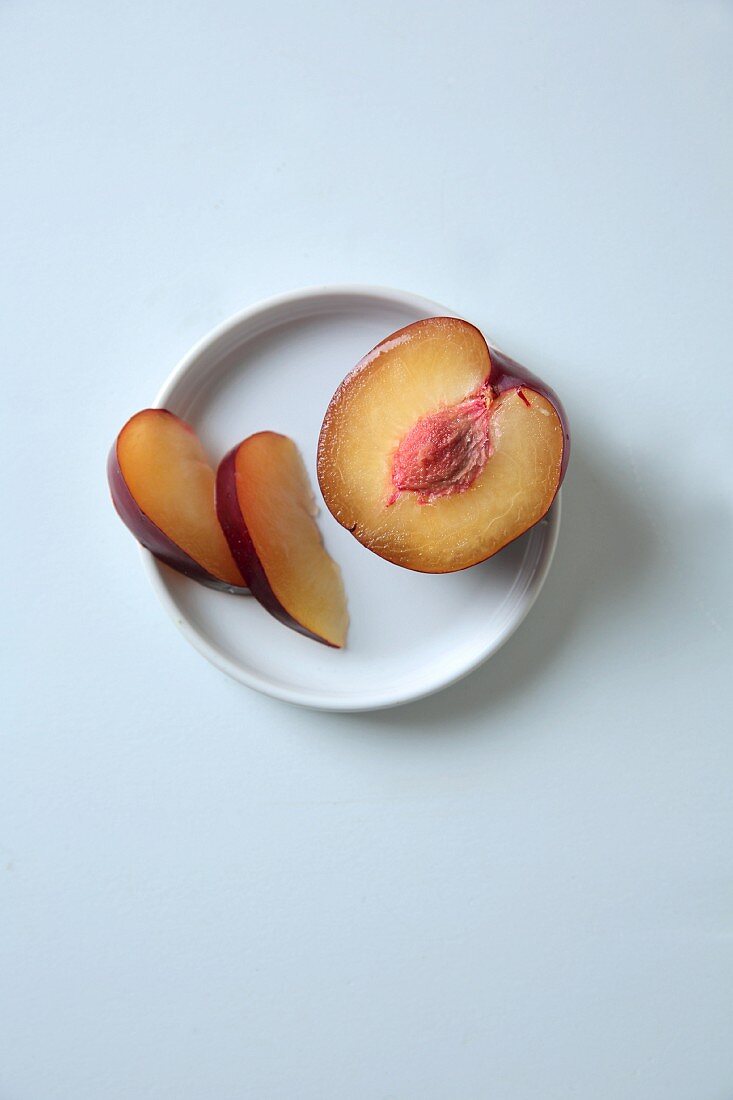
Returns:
(267, 511)
(435, 452)
(163, 487)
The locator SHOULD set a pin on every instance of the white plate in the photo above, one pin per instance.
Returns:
(276, 366)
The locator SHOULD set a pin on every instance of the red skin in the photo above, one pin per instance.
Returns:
(243, 549)
(151, 536)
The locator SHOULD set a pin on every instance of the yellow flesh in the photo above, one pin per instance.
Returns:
(167, 472)
(278, 508)
(379, 404)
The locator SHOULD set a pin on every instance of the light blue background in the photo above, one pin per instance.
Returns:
(522, 888)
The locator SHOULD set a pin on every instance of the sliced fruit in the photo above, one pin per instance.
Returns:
(436, 451)
(266, 509)
(163, 487)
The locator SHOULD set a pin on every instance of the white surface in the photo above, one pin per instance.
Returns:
(276, 364)
(519, 888)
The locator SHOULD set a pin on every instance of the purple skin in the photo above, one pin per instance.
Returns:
(243, 549)
(151, 536)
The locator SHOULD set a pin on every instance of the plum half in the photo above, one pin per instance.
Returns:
(437, 451)
(163, 488)
(267, 512)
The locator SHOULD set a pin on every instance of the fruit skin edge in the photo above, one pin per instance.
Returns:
(504, 374)
(243, 549)
(511, 375)
(463, 568)
(151, 536)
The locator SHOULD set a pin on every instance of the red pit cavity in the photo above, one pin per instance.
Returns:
(443, 453)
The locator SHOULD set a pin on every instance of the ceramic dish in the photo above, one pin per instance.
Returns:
(275, 365)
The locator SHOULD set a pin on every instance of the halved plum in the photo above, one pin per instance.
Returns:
(436, 451)
(163, 488)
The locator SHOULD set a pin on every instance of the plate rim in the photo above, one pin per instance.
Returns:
(364, 700)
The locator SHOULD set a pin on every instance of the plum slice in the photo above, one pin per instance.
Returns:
(267, 512)
(163, 488)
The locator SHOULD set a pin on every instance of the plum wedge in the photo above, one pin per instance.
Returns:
(163, 488)
(267, 512)
(436, 451)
